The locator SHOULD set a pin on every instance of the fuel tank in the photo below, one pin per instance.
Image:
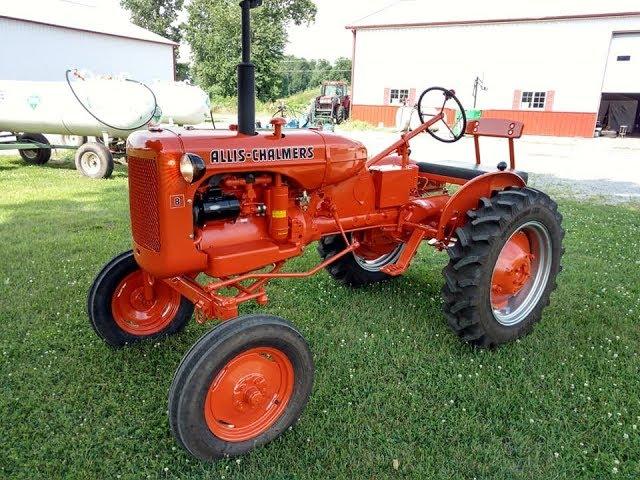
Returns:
(309, 158)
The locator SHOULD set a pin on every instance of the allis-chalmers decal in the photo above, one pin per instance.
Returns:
(262, 154)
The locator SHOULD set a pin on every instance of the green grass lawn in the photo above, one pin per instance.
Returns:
(393, 383)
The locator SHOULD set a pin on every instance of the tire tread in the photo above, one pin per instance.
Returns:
(477, 239)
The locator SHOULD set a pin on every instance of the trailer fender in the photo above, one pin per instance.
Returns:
(467, 197)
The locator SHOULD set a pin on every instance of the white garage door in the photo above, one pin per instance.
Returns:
(623, 65)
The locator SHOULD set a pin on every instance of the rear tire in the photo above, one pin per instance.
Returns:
(351, 269)
(116, 287)
(240, 386)
(475, 303)
(37, 156)
(94, 160)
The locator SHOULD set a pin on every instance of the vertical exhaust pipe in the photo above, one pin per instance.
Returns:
(247, 74)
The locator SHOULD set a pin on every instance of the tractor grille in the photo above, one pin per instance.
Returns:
(143, 202)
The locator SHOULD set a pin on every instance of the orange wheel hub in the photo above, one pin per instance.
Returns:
(141, 306)
(374, 244)
(249, 394)
(512, 271)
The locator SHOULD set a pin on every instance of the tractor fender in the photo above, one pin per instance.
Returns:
(467, 198)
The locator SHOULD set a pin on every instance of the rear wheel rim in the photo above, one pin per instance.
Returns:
(376, 264)
(249, 394)
(90, 163)
(139, 316)
(521, 273)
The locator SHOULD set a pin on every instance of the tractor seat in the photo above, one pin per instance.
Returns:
(465, 171)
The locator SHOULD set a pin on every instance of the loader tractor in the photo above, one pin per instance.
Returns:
(215, 216)
(332, 105)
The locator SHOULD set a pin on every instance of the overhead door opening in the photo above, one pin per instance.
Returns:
(619, 113)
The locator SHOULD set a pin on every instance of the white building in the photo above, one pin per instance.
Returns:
(547, 63)
(41, 39)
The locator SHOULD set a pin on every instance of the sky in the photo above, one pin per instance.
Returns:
(327, 37)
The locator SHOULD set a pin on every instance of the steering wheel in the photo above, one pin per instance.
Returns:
(457, 130)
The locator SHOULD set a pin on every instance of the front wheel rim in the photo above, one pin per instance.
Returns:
(139, 316)
(249, 394)
(521, 273)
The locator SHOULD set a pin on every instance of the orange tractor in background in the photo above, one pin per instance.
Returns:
(233, 206)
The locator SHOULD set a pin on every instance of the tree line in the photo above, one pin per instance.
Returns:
(299, 74)
(212, 30)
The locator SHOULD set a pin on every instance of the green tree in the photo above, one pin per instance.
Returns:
(341, 70)
(300, 74)
(296, 74)
(321, 72)
(160, 16)
(213, 31)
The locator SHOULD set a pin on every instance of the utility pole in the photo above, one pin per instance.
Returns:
(478, 85)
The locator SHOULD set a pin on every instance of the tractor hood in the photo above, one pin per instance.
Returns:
(309, 158)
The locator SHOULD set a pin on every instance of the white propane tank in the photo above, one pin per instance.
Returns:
(403, 118)
(407, 118)
(50, 107)
(181, 103)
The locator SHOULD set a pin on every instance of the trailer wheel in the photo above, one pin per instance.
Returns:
(121, 314)
(37, 156)
(352, 269)
(503, 267)
(240, 386)
(74, 140)
(94, 160)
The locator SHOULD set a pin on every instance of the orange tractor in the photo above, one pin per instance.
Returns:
(215, 215)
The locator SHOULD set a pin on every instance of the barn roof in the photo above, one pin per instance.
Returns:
(408, 13)
(77, 16)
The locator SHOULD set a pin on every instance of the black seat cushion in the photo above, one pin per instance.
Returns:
(466, 171)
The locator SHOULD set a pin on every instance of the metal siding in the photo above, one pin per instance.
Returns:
(375, 114)
(567, 57)
(559, 124)
(32, 51)
(536, 122)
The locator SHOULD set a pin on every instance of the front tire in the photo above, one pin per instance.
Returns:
(503, 267)
(240, 386)
(121, 315)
